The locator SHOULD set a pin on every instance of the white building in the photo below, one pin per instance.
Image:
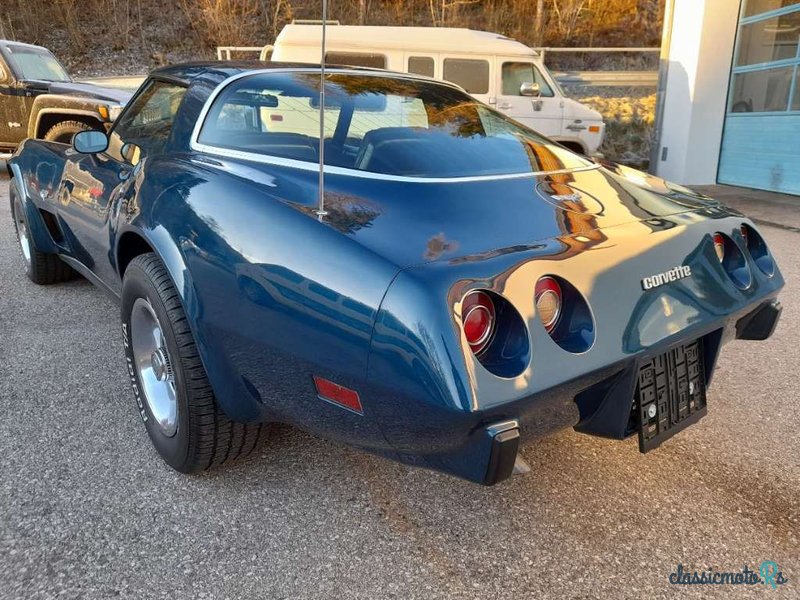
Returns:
(730, 101)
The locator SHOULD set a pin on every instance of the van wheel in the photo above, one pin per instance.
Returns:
(172, 391)
(40, 267)
(64, 132)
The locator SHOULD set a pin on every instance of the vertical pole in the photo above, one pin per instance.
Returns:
(661, 90)
(321, 207)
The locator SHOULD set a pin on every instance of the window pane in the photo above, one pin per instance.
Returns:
(796, 99)
(756, 7)
(148, 121)
(472, 75)
(760, 91)
(421, 65)
(772, 39)
(37, 63)
(380, 124)
(517, 73)
(374, 61)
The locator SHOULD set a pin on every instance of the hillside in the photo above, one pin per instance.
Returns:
(102, 37)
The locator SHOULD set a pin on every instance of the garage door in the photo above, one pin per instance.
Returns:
(761, 139)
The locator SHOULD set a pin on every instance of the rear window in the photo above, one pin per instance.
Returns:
(378, 124)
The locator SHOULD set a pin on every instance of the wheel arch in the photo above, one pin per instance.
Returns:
(55, 109)
(133, 242)
(575, 146)
(36, 225)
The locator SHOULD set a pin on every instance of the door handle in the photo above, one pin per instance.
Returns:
(505, 105)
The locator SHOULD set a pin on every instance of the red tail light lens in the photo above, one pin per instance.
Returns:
(548, 302)
(719, 246)
(478, 318)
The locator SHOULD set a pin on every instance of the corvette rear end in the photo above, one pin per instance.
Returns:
(462, 285)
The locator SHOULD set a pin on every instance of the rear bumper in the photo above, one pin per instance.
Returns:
(483, 446)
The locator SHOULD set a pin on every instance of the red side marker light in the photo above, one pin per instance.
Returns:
(276, 117)
(341, 396)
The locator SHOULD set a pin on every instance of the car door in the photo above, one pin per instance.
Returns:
(543, 113)
(93, 183)
(14, 109)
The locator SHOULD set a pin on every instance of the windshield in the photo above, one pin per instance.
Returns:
(37, 63)
(379, 124)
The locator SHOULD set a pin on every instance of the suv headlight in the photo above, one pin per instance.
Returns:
(114, 111)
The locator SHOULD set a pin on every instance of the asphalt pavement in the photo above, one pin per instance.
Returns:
(88, 510)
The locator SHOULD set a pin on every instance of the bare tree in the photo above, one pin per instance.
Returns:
(362, 12)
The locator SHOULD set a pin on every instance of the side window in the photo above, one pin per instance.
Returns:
(472, 75)
(147, 122)
(421, 65)
(354, 59)
(517, 73)
(397, 112)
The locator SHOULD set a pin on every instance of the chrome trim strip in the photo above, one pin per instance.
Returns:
(496, 428)
(194, 144)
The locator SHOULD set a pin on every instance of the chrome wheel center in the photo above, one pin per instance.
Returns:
(153, 366)
(22, 234)
(159, 364)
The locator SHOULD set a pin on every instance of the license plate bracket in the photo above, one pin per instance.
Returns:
(670, 394)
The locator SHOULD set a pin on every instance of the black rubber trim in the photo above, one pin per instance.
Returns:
(761, 323)
(503, 456)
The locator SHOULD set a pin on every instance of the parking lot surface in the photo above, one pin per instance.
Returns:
(88, 510)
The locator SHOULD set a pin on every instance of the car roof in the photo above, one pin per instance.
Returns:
(224, 69)
(410, 39)
(15, 43)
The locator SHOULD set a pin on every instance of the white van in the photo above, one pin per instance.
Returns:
(494, 69)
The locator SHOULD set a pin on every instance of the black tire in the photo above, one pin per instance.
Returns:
(64, 132)
(40, 267)
(205, 436)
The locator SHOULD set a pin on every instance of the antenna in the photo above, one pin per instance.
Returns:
(321, 212)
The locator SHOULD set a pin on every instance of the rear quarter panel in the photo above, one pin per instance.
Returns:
(274, 297)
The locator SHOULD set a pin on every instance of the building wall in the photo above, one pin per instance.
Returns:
(700, 55)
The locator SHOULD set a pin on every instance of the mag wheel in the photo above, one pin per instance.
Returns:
(40, 267)
(172, 391)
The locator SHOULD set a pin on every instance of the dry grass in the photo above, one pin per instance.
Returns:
(629, 126)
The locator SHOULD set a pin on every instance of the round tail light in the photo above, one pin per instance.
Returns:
(719, 246)
(478, 318)
(548, 302)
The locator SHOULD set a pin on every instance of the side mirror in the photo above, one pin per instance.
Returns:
(90, 142)
(530, 89)
(132, 154)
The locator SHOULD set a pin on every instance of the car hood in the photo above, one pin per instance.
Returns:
(414, 221)
(88, 90)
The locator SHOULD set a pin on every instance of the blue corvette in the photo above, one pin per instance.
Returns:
(464, 285)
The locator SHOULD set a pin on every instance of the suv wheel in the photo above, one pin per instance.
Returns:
(64, 132)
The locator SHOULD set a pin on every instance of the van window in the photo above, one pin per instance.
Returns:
(378, 124)
(421, 65)
(517, 73)
(472, 75)
(355, 59)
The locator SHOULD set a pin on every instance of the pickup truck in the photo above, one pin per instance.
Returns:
(38, 98)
